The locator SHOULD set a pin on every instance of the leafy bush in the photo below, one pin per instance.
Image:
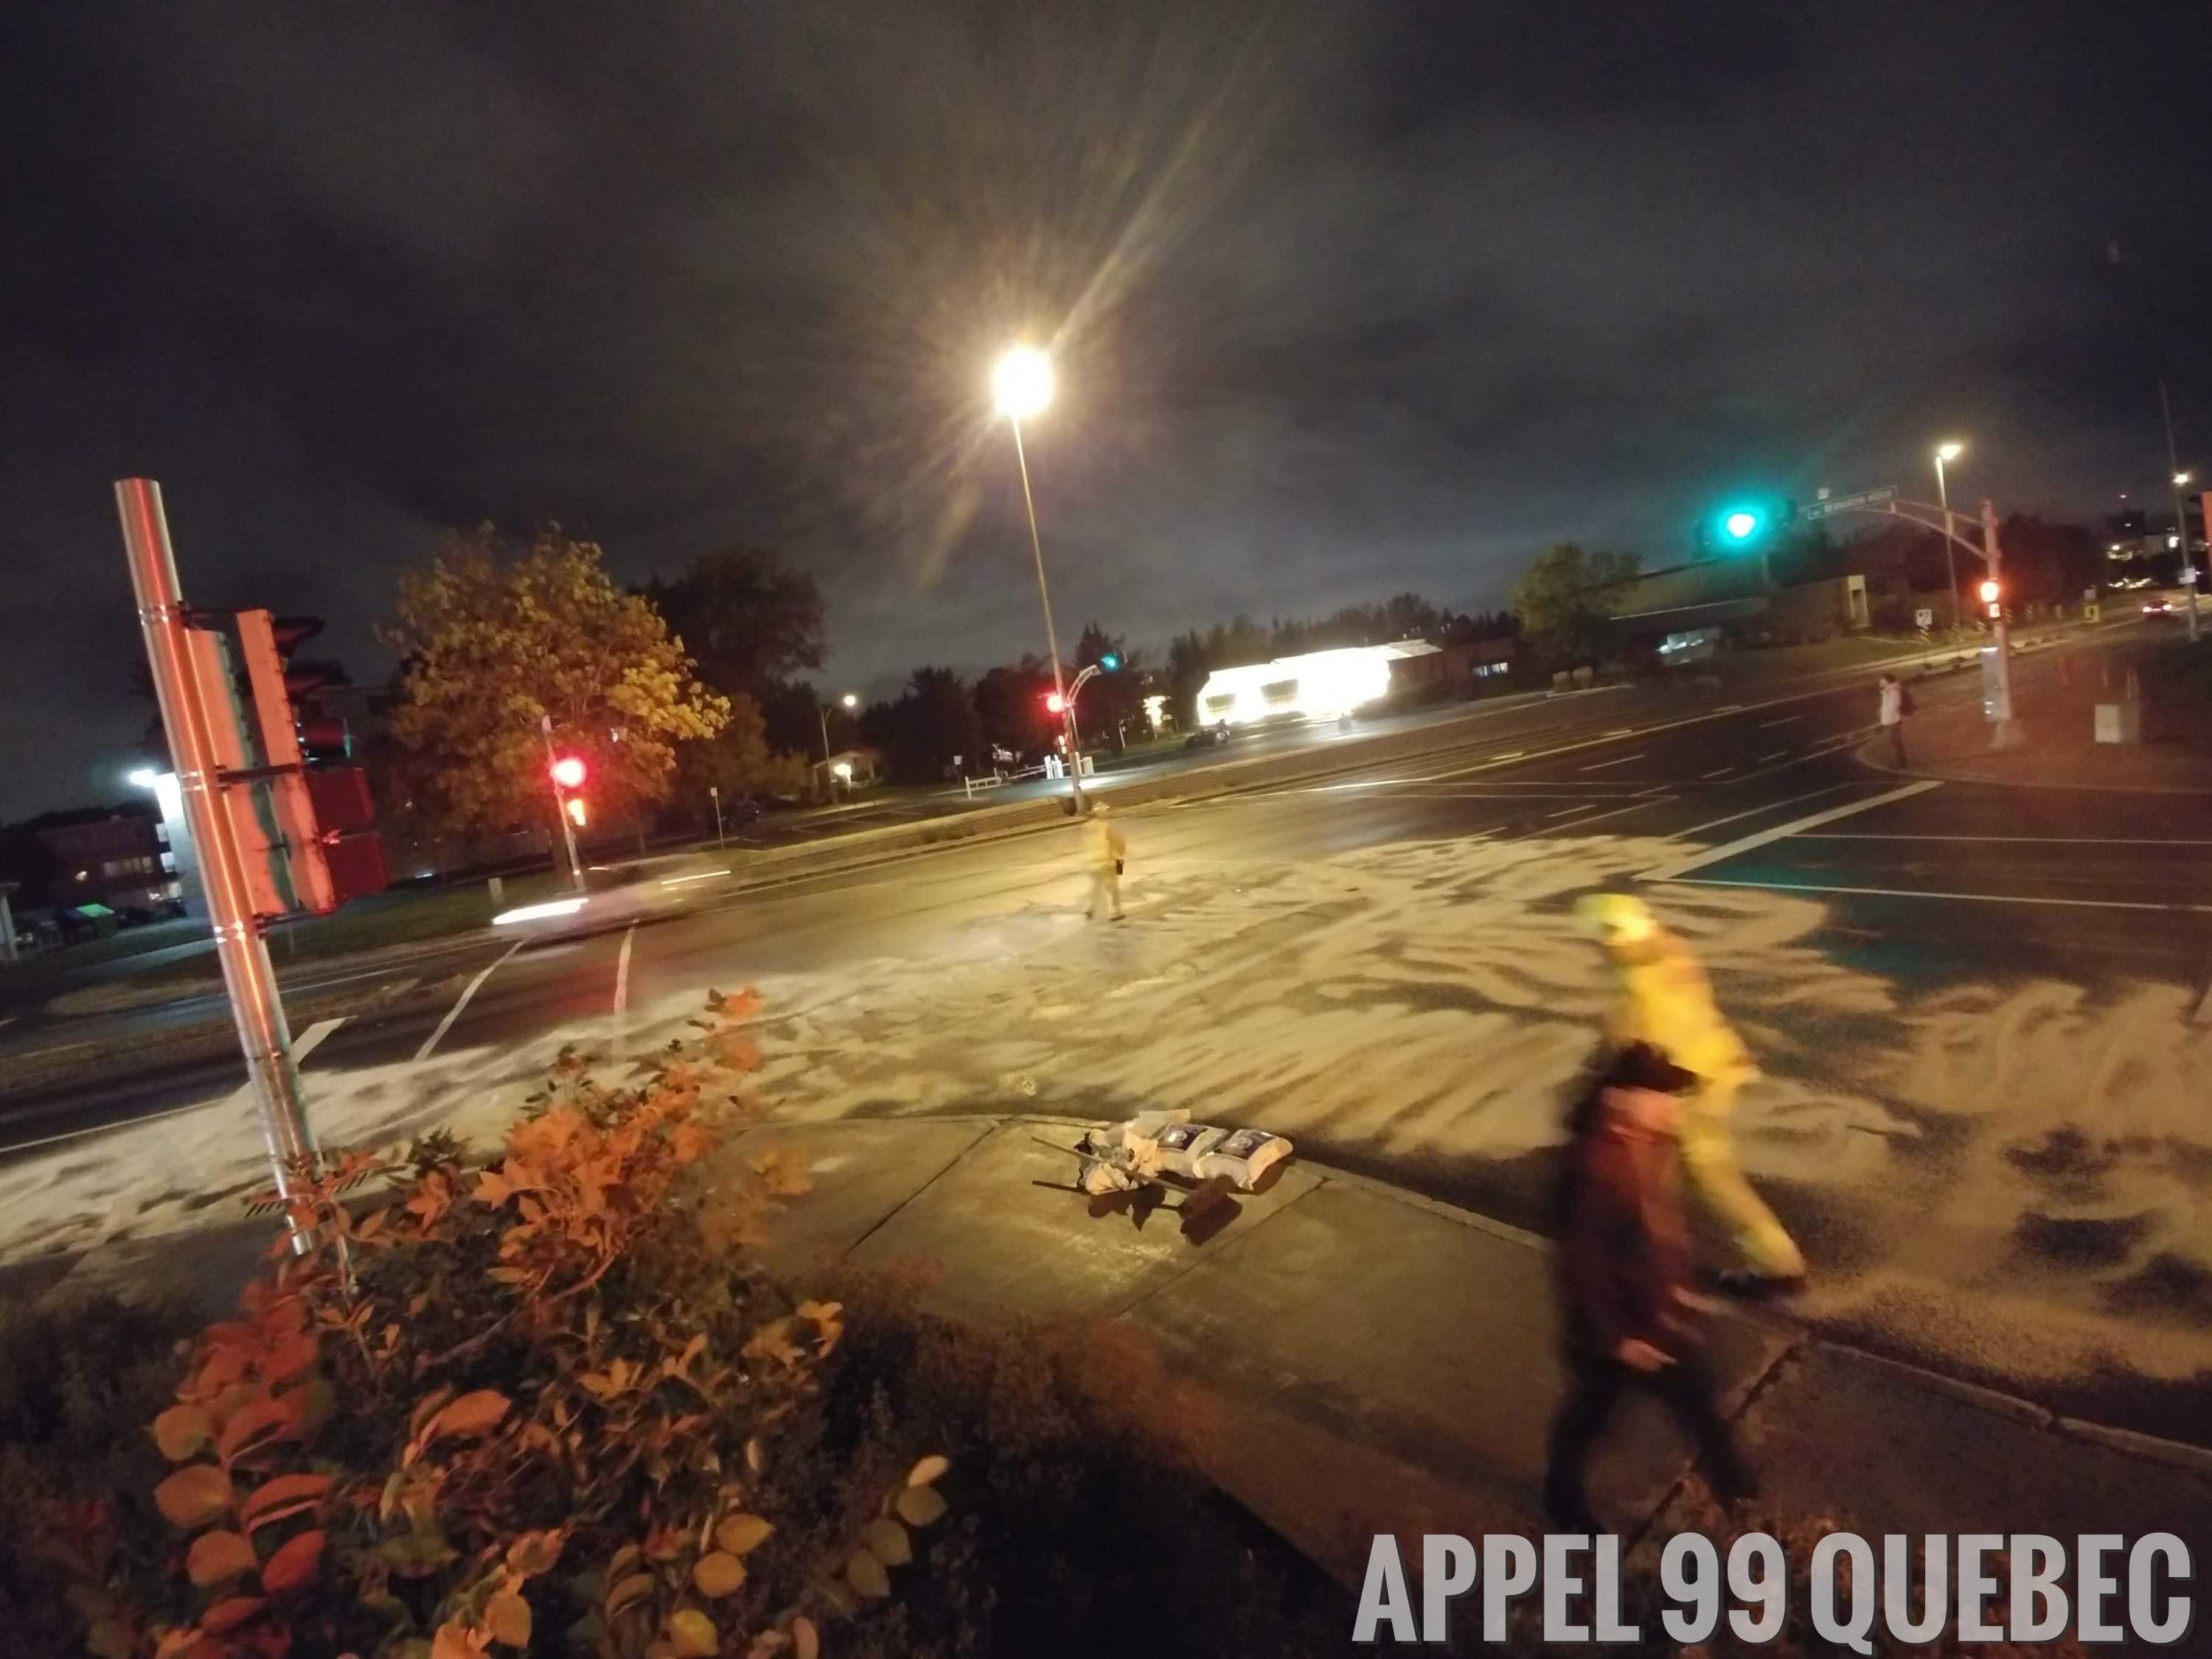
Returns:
(542, 1403)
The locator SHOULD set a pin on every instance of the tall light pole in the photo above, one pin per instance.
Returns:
(2180, 522)
(1021, 386)
(822, 712)
(1946, 452)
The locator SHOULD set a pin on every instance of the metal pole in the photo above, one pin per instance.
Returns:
(2180, 521)
(714, 790)
(255, 1004)
(2005, 732)
(1950, 540)
(829, 776)
(560, 806)
(1051, 639)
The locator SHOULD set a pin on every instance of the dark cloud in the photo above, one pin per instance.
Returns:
(1346, 299)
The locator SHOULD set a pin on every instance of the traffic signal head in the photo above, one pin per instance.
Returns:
(1054, 703)
(576, 812)
(1110, 661)
(569, 772)
(1990, 592)
(1746, 524)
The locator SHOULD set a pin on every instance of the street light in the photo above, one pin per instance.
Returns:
(1944, 452)
(830, 772)
(1021, 386)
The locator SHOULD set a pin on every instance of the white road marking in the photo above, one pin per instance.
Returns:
(1621, 731)
(1720, 771)
(1655, 789)
(1787, 720)
(1778, 754)
(1912, 892)
(1587, 807)
(622, 977)
(1583, 823)
(453, 1013)
(1759, 811)
(1730, 708)
(1729, 849)
(1623, 761)
(2056, 841)
(302, 1045)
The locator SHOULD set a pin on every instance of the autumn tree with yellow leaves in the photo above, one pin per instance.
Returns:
(494, 639)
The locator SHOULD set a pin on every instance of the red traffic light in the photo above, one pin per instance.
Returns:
(569, 772)
(1054, 703)
(1990, 592)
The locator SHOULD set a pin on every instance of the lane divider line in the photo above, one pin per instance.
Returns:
(1720, 772)
(431, 1042)
(1676, 871)
(303, 1045)
(1923, 893)
(1787, 720)
(1623, 761)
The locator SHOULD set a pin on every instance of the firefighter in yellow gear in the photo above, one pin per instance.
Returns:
(1665, 1001)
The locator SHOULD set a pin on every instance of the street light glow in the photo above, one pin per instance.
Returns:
(1950, 451)
(141, 777)
(2183, 478)
(849, 701)
(1021, 384)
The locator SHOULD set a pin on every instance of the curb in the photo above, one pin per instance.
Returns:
(2175, 1453)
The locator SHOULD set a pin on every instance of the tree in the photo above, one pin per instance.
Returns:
(738, 761)
(1563, 600)
(1010, 704)
(749, 620)
(933, 720)
(495, 640)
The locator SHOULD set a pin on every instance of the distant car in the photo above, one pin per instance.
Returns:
(1207, 737)
(2162, 607)
(616, 895)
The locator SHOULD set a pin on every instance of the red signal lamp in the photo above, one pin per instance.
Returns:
(569, 772)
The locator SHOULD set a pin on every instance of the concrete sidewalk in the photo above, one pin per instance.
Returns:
(1372, 1361)
(2056, 709)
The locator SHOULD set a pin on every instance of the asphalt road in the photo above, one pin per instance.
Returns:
(1931, 886)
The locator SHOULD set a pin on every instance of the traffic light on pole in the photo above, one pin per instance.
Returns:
(1110, 661)
(1992, 596)
(569, 771)
(1054, 703)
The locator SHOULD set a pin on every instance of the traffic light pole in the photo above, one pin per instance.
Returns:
(188, 718)
(561, 804)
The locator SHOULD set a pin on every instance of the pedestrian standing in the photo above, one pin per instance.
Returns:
(1105, 852)
(1896, 709)
(1667, 1001)
(1622, 1271)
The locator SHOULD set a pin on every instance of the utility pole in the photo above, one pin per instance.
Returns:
(2180, 521)
(190, 674)
(714, 794)
(2004, 732)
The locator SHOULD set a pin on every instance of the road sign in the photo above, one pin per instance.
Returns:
(1864, 499)
(2093, 613)
(2089, 595)
(1923, 617)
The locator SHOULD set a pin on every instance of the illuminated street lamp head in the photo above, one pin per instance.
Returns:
(849, 701)
(1950, 451)
(1021, 384)
(2183, 478)
(141, 778)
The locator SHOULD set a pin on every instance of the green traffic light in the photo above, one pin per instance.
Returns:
(1110, 661)
(1741, 524)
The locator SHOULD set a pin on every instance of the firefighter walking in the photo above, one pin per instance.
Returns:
(1104, 851)
(1666, 1000)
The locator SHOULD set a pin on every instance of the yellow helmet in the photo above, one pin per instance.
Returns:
(1617, 919)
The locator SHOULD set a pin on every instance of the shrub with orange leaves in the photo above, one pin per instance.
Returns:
(544, 1401)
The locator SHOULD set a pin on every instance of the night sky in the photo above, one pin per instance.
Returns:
(1347, 298)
